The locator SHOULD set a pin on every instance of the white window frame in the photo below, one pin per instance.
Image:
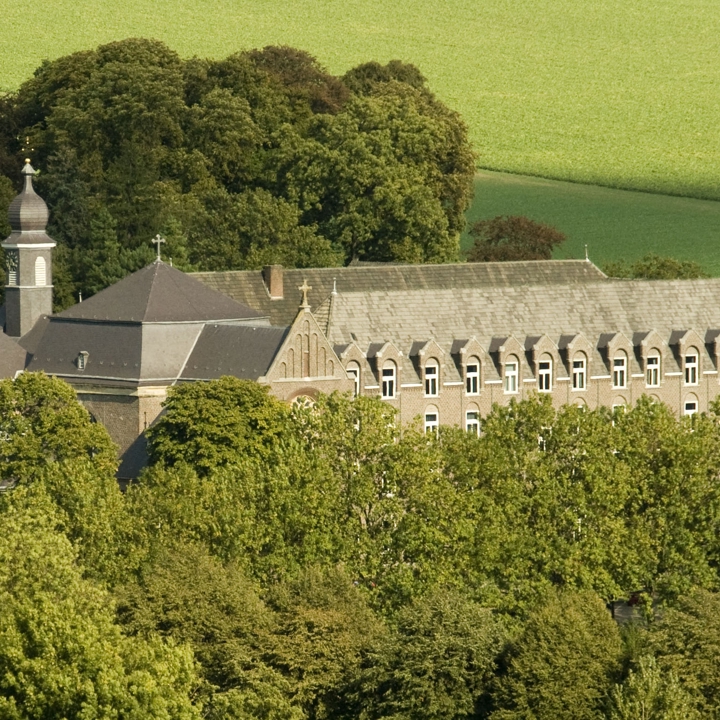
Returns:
(545, 368)
(472, 421)
(652, 371)
(579, 374)
(432, 379)
(619, 372)
(511, 374)
(353, 371)
(388, 377)
(691, 368)
(472, 378)
(690, 408)
(432, 420)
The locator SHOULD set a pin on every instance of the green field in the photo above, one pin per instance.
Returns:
(616, 92)
(615, 224)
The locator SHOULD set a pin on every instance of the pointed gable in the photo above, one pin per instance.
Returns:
(160, 293)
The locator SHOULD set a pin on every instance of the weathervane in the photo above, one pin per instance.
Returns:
(157, 240)
(27, 148)
(304, 289)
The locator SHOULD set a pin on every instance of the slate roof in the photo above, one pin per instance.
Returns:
(12, 357)
(237, 350)
(247, 286)
(160, 293)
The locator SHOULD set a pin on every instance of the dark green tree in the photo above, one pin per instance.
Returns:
(512, 237)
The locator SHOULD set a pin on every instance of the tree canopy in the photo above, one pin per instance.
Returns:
(512, 237)
(262, 157)
(655, 267)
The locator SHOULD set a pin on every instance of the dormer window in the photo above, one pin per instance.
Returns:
(652, 371)
(389, 381)
(431, 379)
(578, 373)
(691, 369)
(545, 376)
(619, 376)
(472, 378)
(81, 360)
(353, 371)
(511, 377)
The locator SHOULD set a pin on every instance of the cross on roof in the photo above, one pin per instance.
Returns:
(304, 289)
(157, 240)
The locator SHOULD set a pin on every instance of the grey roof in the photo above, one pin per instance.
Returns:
(591, 309)
(237, 350)
(160, 293)
(12, 357)
(28, 214)
(247, 286)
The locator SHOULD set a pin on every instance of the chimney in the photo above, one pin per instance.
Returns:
(273, 278)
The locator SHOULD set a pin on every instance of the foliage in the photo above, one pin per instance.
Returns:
(650, 694)
(209, 425)
(42, 422)
(562, 663)
(438, 663)
(61, 655)
(263, 157)
(686, 642)
(655, 267)
(512, 238)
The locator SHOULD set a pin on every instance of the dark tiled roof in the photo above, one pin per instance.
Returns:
(553, 309)
(160, 293)
(237, 350)
(247, 286)
(12, 357)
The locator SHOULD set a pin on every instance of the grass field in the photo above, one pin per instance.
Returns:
(623, 93)
(615, 224)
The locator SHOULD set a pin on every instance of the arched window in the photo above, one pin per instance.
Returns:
(472, 420)
(353, 371)
(579, 372)
(619, 370)
(389, 380)
(472, 377)
(432, 377)
(545, 374)
(512, 370)
(691, 367)
(432, 419)
(652, 370)
(690, 405)
(40, 272)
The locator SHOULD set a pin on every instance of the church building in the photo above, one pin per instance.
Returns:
(440, 343)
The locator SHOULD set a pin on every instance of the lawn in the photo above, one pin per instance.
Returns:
(615, 224)
(623, 93)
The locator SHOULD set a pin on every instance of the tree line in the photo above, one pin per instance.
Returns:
(261, 157)
(322, 562)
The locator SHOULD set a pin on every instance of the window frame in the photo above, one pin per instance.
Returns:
(511, 378)
(353, 370)
(652, 369)
(619, 372)
(431, 420)
(579, 372)
(690, 412)
(388, 380)
(40, 272)
(431, 381)
(472, 424)
(691, 369)
(472, 378)
(545, 375)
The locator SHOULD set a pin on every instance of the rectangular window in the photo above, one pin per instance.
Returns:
(354, 374)
(691, 369)
(388, 383)
(472, 422)
(578, 376)
(511, 377)
(652, 372)
(690, 408)
(12, 277)
(431, 380)
(431, 422)
(472, 379)
(619, 372)
(545, 376)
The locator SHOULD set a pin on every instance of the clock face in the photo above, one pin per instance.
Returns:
(12, 260)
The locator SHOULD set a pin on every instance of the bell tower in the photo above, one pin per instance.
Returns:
(28, 250)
